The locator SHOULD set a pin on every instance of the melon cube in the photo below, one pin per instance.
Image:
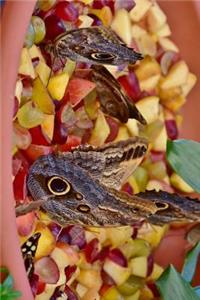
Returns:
(177, 76)
(138, 247)
(139, 266)
(118, 273)
(90, 278)
(119, 235)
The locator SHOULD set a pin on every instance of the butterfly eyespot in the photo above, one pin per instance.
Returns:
(58, 186)
(161, 205)
(83, 208)
(103, 56)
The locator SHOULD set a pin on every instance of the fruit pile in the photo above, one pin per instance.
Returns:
(56, 108)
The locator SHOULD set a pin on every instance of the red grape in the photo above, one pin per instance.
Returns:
(131, 85)
(91, 250)
(172, 130)
(66, 11)
(117, 256)
(54, 27)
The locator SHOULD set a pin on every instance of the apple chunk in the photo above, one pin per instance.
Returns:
(191, 81)
(122, 25)
(140, 9)
(41, 97)
(177, 76)
(118, 273)
(148, 67)
(149, 108)
(139, 266)
(26, 66)
(57, 85)
(155, 18)
(101, 131)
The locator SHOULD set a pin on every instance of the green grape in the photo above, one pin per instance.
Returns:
(39, 28)
(131, 286)
(30, 36)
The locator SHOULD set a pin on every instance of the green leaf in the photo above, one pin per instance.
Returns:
(8, 282)
(173, 287)
(190, 263)
(184, 158)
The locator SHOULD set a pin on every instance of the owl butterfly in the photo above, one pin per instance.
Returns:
(113, 100)
(96, 45)
(28, 251)
(82, 186)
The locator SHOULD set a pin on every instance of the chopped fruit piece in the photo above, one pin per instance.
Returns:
(167, 44)
(136, 248)
(177, 76)
(47, 126)
(38, 137)
(83, 120)
(152, 233)
(30, 35)
(132, 126)
(123, 134)
(117, 256)
(61, 258)
(70, 251)
(46, 5)
(105, 15)
(135, 296)
(57, 85)
(73, 235)
(148, 67)
(91, 105)
(21, 137)
(139, 266)
(131, 286)
(35, 52)
(180, 184)
(149, 108)
(86, 21)
(119, 236)
(78, 89)
(18, 90)
(157, 271)
(100, 132)
(118, 273)
(155, 18)
(26, 224)
(91, 294)
(39, 28)
(26, 66)
(131, 85)
(43, 71)
(133, 184)
(164, 31)
(175, 104)
(47, 270)
(46, 242)
(112, 294)
(146, 45)
(41, 97)
(67, 115)
(146, 294)
(72, 141)
(29, 116)
(166, 61)
(160, 142)
(191, 81)
(141, 177)
(121, 24)
(140, 9)
(138, 31)
(35, 151)
(67, 11)
(168, 94)
(91, 250)
(114, 129)
(157, 170)
(150, 83)
(90, 278)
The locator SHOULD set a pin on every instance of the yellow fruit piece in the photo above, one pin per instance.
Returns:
(177, 76)
(132, 181)
(87, 1)
(118, 273)
(149, 108)
(48, 126)
(121, 24)
(57, 85)
(34, 52)
(161, 140)
(140, 9)
(112, 294)
(155, 18)
(135, 296)
(132, 126)
(172, 93)
(150, 83)
(135, 248)
(81, 290)
(148, 67)
(146, 294)
(90, 278)
(91, 294)
(175, 104)
(100, 132)
(41, 97)
(156, 273)
(18, 90)
(152, 233)
(180, 184)
(138, 31)
(86, 21)
(46, 4)
(43, 72)
(119, 235)
(154, 184)
(29, 116)
(164, 31)
(191, 81)
(168, 45)
(146, 45)
(25, 65)
(123, 134)
(106, 15)
(139, 266)
(46, 242)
